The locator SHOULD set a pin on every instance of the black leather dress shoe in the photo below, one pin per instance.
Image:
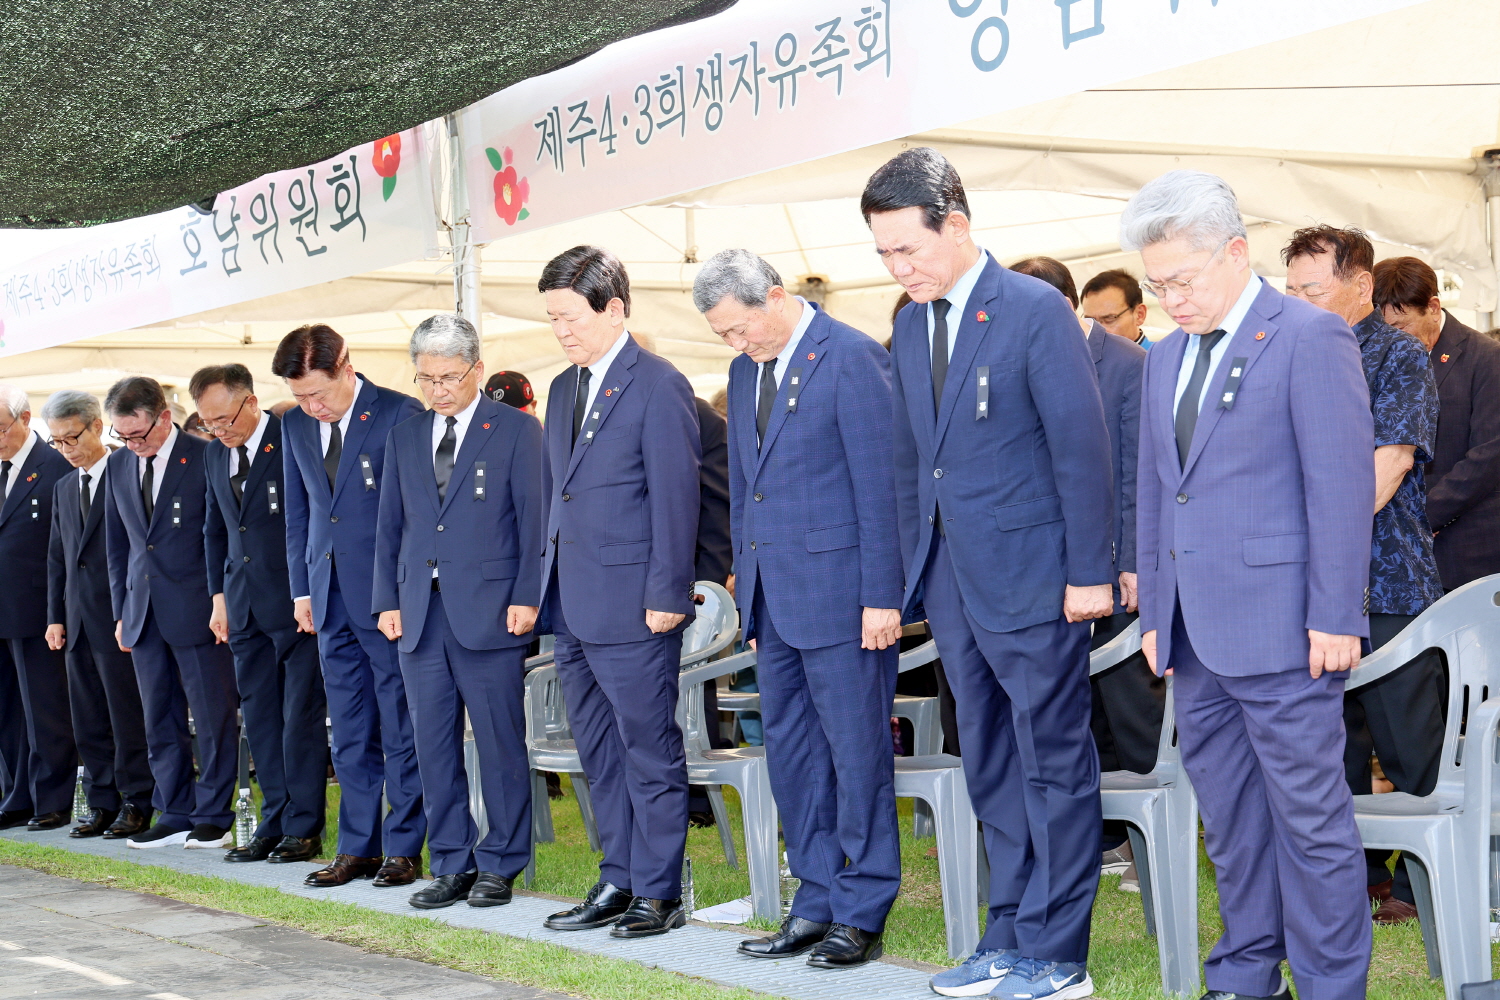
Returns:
(796, 936)
(12, 818)
(603, 905)
(844, 947)
(48, 821)
(445, 890)
(490, 889)
(258, 849)
(289, 849)
(649, 916)
(396, 871)
(95, 825)
(344, 869)
(130, 822)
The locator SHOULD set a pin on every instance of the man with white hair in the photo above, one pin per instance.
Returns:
(108, 723)
(1253, 518)
(36, 735)
(458, 563)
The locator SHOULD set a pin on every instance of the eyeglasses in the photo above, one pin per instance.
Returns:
(1109, 320)
(1177, 286)
(67, 440)
(445, 382)
(214, 426)
(141, 437)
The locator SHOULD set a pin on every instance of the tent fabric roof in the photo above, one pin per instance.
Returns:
(128, 109)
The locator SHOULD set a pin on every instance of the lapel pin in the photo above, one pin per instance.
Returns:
(365, 415)
(609, 392)
(811, 356)
(182, 461)
(982, 316)
(1444, 359)
(1261, 335)
(31, 477)
(268, 448)
(486, 426)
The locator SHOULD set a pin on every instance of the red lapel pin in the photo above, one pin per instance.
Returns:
(365, 415)
(811, 356)
(32, 476)
(1261, 335)
(268, 448)
(982, 316)
(486, 426)
(183, 461)
(608, 391)
(1444, 359)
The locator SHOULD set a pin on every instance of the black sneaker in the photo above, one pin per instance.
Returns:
(209, 836)
(160, 835)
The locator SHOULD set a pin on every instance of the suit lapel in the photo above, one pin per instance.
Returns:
(1095, 340)
(23, 480)
(176, 466)
(96, 505)
(366, 406)
(1172, 349)
(742, 414)
(809, 355)
(481, 426)
(616, 381)
(1447, 350)
(1255, 332)
(971, 332)
(267, 455)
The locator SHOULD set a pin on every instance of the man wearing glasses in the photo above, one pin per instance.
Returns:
(334, 455)
(36, 739)
(108, 724)
(275, 664)
(458, 562)
(1113, 300)
(154, 535)
(1254, 505)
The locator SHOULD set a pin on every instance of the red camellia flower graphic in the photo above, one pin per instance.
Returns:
(386, 160)
(511, 191)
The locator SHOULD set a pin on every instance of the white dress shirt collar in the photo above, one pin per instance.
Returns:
(958, 297)
(460, 426)
(95, 473)
(789, 350)
(252, 444)
(18, 460)
(599, 370)
(324, 429)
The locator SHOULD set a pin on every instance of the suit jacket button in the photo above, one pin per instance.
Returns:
(929, 518)
(328, 555)
(82, 564)
(242, 527)
(334, 519)
(440, 527)
(1182, 498)
(1172, 553)
(431, 563)
(247, 559)
(752, 545)
(566, 497)
(759, 498)
(937, 473)
(151, 548)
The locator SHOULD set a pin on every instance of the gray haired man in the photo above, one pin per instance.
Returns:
(458, 550)
(108, 723)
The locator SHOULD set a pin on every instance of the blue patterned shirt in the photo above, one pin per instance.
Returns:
(1404, 401)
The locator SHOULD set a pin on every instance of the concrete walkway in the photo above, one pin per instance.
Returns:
(693, 950)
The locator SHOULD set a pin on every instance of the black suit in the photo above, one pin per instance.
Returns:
(715, 557)
(275, 666)
(108, 723)
(36, 734)
(1463, 478)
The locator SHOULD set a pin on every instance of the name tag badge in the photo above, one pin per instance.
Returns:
(177, 512)
(36, 512)
(794, 388)
(479, 480)
(982, 408)
(273, 498)
(1232, 383)
(591, 425)
(367, 471)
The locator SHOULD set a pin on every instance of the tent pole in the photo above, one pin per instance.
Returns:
(1486, 320)
(467, 298)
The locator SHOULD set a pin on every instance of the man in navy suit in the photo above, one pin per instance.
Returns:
(1003, 494)
(108, 724)
(1254, 500)
(36, 734)
(275, 663)
(154, 536)
(818, 579)
(620, 473)
(333, 451)
(458, 561)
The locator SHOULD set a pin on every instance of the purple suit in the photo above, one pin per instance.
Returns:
(1263, 534)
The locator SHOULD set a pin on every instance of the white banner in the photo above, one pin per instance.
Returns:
(367, 208)
(766, 85)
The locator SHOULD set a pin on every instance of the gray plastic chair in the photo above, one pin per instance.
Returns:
(1446, 835)
(926, 721)
(938, 781)
(1162, 811)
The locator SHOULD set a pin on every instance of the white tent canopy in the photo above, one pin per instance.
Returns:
(1374, 123)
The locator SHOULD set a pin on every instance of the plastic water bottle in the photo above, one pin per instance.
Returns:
(244, 818)
(80, 799)
(689, 900)
(789, 886)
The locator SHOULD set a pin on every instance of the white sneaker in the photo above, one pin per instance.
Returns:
(157, 836)
(206, 835)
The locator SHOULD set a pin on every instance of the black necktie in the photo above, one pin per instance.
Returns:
(4, 480)
(581, 402)
(237, 481)
(767, 400)
(148, 481)
(85, 500)
(334, 453)
(1187, 406)
(442, 462)
(940, 309)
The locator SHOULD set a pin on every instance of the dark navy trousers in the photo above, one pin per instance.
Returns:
(281, 700)
(373, 749)
(827, 715)
(1265, 754)
(174, 679)
(1023, 706)
(443, 678)
(622, 706)
(108, 724)
(39, 753)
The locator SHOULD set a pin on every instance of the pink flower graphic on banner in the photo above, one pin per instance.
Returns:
(387, 160)
(511, 190)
